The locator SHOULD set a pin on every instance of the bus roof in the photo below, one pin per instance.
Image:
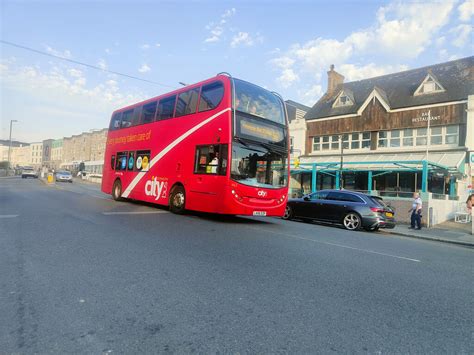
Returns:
(177, 91)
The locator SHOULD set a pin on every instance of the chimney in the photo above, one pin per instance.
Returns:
(334, 79)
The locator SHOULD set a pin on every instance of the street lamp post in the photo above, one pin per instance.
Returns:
(10, 145)
(342, 161)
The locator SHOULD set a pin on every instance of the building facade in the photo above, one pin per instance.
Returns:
(297, 127)
(36, 154)
(398, 133)
(46, 159)
(56, 153)
(85, 147)
(21, 155)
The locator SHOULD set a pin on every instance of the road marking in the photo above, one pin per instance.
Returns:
(8, 215)
(133, 212)
(339, 245)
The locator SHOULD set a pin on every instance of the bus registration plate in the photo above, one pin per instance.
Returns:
(259, 213)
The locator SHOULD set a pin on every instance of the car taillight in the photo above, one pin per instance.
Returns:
(376, 209)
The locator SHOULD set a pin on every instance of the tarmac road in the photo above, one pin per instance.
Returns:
(81, 273)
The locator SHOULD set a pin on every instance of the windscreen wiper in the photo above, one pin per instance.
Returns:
(240, 140)
(272, 147)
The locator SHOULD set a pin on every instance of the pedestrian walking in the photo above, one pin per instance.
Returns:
(470, 203)
(416, 211)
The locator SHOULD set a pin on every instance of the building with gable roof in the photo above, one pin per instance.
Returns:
(397, 133)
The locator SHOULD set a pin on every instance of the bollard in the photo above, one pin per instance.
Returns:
(50, 178)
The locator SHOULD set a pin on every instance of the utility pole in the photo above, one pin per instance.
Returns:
(342, 161)
(428, 140)
(10, 146)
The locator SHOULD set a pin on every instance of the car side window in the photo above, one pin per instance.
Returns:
(345, 197)
(353, 198)
(318, 196)
(336, 196)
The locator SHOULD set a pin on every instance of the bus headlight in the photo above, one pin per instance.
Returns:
(236, 195)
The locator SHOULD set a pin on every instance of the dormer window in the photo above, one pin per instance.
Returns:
(343, 100)
(429, 86)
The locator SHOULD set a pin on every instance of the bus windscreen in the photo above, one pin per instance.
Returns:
(256, 101)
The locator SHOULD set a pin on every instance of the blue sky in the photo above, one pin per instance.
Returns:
(286, 46)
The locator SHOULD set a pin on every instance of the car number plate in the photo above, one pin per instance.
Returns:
(259, 213)
(389, 214)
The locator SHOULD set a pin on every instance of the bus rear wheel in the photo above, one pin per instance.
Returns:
(178, 200)
(117, 191)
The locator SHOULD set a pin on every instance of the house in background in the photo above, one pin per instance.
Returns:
(297, 127)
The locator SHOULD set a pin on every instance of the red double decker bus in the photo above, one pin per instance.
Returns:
(218, 146)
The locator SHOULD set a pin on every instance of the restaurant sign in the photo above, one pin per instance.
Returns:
(425, 117)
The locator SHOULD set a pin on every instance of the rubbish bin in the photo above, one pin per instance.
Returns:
(50, 178)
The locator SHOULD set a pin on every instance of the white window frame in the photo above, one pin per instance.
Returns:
(333, 142)
(416, 135)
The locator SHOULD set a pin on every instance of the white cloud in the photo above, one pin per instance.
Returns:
(440, 41)
(217, 29)
(102, 64)
(215, 34)
(245, 39)
(157, 45)
(461, 35)
(287, 78)
(144, 68)
(400, 31)
(406, 29)
(107, 51)
(311, 95)
(76, 73)
(57, 103)
(283, 62)
(64, 54)
(145, 46)
(353, 72)
(466, 10)
(228, 13)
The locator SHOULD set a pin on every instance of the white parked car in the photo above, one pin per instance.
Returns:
(29, 172)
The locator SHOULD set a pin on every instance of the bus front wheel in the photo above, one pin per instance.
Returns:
(117, 191)
(177, 200)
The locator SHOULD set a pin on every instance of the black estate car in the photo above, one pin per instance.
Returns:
(354, 210)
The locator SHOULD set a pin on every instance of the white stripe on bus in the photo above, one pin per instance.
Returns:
(165, 151)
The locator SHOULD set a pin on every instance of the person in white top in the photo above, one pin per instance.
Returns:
(416, 211)
(214, 164)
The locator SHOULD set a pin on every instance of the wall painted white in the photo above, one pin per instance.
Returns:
(298, 133)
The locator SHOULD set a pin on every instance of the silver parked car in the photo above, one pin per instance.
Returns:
(64, 175)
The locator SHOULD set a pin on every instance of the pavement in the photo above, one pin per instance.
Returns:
(447, 232)
(82, 273)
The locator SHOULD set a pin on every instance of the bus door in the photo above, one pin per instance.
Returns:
(209, 176)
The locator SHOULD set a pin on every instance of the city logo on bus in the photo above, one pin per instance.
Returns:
(156, 187)
(262, 193)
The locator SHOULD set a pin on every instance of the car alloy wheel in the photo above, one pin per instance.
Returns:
(352, 221)
(288, 213)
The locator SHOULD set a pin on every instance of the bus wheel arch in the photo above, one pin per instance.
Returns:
(117, 190)
(177, 198)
